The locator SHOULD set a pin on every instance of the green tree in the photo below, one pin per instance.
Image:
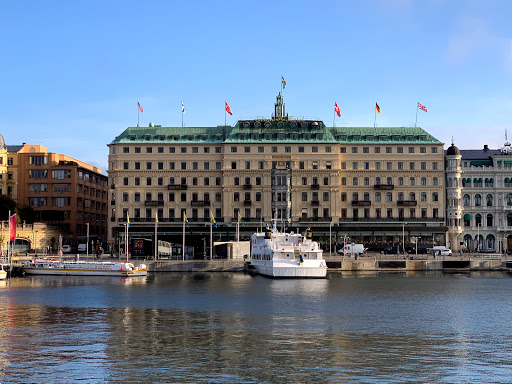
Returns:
(6, 204)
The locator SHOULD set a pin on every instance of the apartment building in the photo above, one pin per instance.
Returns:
(479, 198)
(374, 185)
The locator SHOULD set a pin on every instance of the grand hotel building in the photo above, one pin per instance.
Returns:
(373, 185)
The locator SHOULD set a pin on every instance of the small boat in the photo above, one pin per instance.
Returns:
(96, 268)
(3, 272)
(287, 255)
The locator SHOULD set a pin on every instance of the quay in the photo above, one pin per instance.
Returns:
(335, 263)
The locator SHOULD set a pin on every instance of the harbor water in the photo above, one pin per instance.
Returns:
(240, 328)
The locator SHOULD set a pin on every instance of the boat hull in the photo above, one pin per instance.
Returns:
(284, 271)
(78, 272)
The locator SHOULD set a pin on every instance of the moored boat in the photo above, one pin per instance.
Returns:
(287, 255)
(3, 272)
(91, 268)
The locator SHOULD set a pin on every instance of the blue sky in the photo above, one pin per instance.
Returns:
(73, 71)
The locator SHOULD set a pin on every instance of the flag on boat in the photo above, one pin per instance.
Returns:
(283, 81)
(12, 227)
(228, 109)
(213, 220)
(185, 219)
(140, 108)
(337, 109)
(377, 108)
(422, 107)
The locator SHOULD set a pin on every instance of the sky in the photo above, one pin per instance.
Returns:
(73, 71)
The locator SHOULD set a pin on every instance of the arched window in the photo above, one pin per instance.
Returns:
(475, 182)
(450, 183)
(478, 200)
(479, 182)
(467, 200)
(488, 200)
(509, 220)
(366, 196)
(491, 183)
(400, 196)
(479, 243)
(355, 196)
(507, 182)
(478, 219)
(464, 182)
(489, 220)
(467, 220)
(468, 242)
(509, 199)
(490, 242)
(487, 183)
(468, 182)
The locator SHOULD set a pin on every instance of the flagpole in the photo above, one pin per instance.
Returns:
(156, 237)
(416, 122)
(126, 242)
(9, 237)
(211, 239)
(375, 118)
(238, 231)
(225, 117)
(183, 241)
(334, 118)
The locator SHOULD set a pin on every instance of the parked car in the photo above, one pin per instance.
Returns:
(82, 248)
(421, 251)
(441, 250)
(66, 249)
(394, 250)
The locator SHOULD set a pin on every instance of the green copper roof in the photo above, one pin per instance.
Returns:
(275, 131)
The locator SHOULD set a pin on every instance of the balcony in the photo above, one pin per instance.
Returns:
(323, 219)
(112, 202)
(315, 186)
(383, 187)
(407, 203)
(175, 187)
(245, 219)
(361, 203)
(200, 203)
(315, 202)
(154, 203)
(112, 218)
(247, 202)
(247, 186)
(113, 186)
(408, 220)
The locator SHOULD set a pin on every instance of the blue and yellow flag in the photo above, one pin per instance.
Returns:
(213, 220)
(156, 220)
(283, 81)
(127, 220)
(240, 219)
(185, 219)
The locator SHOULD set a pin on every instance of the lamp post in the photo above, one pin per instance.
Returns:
(87, 244)
(478, 236)
(403, 237)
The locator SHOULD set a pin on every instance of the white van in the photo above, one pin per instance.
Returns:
(441, 250)
(82, 248)
(352, 249)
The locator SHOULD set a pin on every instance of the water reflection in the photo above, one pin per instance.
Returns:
(240, 328)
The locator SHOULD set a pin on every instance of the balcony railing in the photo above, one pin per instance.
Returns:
(177, 187)
(324, 219)
(247, 186)
(394, 219)
(383, 187)
(112, 202)
(407, 203)
(247, 202)
(315, 202)
(361, 203)
(245, 219)
(154, 203)
(200, 203)
(315, 186)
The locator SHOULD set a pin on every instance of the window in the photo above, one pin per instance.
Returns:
(233, 165)
(137, 149)
(160, 165)
(434, 165)
(400, 181)
(149, 149)
(183, 149)
(195, 150)
(171, 165)
(137, 181)
(160, 149)
(206, 165)
(136, 196)
(206, 149)
(274, 149)
(423, 149)
(343, 196)
(423, 181)
(148, 181)
(434, 181)
(411, 165)
(183, 165)
(489, 199)
(478, 200)
(389, 150)
(314, 149)
(343, 165)
(354, 149)
(247, 165)
(354, 165)
(195, 165)
(376, 150)
(423, 165)
(287, 149)
(125, 181)
(434, 150)
(411, 149)
(435, 196)
(399, 150)
(183, 196)
(366, 149)
(377, 196)
(233, 149)
(354, 181)
(389, 196)
(400, 165)
(137, 165)
(148, 165)
(172, 150)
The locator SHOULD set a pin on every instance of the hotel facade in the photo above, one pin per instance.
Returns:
(377, 186)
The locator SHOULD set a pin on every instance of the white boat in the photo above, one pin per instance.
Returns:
(284, 255)
(96, 268)
(3, 272)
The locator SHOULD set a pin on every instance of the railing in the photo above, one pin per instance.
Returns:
(383, 187)
(324, 219)
(315, 202)
(315, 186)
(154, 203)
(394, 219)
(247, 202)
(361, 203)
(247, 186)
(177, 187)
(407, 203)
(200, 203)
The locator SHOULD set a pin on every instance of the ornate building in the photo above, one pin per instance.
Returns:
(375, 185)
(479, 198)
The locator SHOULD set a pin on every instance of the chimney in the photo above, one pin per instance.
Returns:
(486, 147)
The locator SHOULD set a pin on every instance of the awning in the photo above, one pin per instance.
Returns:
(467, 217)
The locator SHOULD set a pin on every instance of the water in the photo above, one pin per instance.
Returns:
(237, 328)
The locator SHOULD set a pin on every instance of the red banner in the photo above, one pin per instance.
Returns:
(12, 227)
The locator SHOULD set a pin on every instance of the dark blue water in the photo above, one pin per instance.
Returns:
(237, 328)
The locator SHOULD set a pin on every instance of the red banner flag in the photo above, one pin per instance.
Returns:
(337, 109)
(228, 109)
(377, 108)
(12, 227)
(422, 107)
(140, 108)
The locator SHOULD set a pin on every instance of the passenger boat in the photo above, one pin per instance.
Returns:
(287, 255)
(3, 272)
(96, 268)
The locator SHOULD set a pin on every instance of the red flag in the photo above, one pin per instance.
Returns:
(422, 107)
(228, 109)
(12, 227)
(377, 108)
(140, 108)
(337, 109)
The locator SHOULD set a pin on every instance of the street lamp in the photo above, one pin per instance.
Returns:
(403, 236)
(87, 244)
(478, 236)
